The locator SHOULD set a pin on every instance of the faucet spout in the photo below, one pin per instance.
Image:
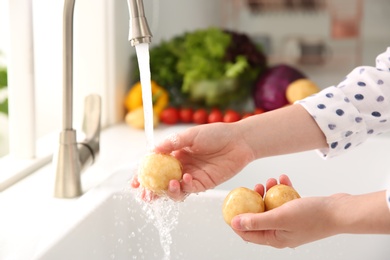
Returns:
(139, 31)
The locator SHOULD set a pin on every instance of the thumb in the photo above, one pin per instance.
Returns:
(255, 222)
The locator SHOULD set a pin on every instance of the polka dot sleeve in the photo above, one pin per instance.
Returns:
(356, 108)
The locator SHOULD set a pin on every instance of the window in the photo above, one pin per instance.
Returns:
(3, 78)
(101, 65)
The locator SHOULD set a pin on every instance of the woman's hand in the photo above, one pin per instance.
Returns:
(305, 220)
(213, 153)
(295, 223)
(210, 154)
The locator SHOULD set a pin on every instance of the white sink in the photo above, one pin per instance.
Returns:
(117, 227)
(104, 223)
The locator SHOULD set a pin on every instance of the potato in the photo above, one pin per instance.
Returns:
(300, 89)
(241, 200)
(156, 170)
(135, 118)
(278, 195)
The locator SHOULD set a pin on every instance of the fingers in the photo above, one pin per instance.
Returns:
(148, 195)
(134, 182)
(177, 191)
(259, 188)
(283, 179)
(169, 144)
(176, 141)
(270, 183)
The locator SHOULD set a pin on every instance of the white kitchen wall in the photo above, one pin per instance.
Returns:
(102, 53)
(282, 25)
(4, 26)
(101, 59)
(168, 18)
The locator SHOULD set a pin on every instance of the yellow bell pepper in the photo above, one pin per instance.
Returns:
(160, 97)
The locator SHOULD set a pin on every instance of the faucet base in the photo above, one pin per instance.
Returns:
(67, 182)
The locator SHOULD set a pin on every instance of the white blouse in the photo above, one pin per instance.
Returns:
(358, 107)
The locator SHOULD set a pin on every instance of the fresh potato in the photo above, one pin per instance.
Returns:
(241, 200)
(135, 118)
(278, 195)
(300, 89)
(156, 170)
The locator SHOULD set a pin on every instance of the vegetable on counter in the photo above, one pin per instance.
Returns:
(186, 114)
(160, 97)
(270, 88)
(170, 116)
(231, 116)
(175, 115)
(135, 118)
(300, 89)
(134, 106)
(215, 116)
(219, 66)
(200, 116)
(3, 84)
(206, 67)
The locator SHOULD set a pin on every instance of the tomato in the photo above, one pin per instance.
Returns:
(215, 116)
(259, 111)
(200, 116)
(231, 116)
(186, 115)
(247, 114)
(170, 116)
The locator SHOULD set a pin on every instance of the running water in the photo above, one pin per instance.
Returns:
(163, 213)
(142, 51)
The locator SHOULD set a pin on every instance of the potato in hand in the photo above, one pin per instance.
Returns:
(278, 195)
(156, 170)
(241, 200)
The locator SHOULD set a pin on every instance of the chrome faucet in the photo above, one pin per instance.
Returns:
(73, 157)
(139, 31)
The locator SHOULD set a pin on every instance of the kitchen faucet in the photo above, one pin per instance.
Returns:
(73, 156)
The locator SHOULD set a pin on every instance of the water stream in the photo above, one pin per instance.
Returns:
(142, 51)
(163, 213)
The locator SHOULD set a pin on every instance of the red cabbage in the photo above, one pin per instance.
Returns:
(270, 88)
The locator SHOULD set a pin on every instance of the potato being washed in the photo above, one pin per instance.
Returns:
(156, 170)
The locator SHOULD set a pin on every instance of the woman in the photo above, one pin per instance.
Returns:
(333, 121)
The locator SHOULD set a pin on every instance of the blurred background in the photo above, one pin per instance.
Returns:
(347, 33)
(323, 39)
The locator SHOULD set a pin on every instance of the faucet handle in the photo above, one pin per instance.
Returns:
(90, 146)
(92, 115)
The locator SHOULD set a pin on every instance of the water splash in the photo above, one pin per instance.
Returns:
(163, 213)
